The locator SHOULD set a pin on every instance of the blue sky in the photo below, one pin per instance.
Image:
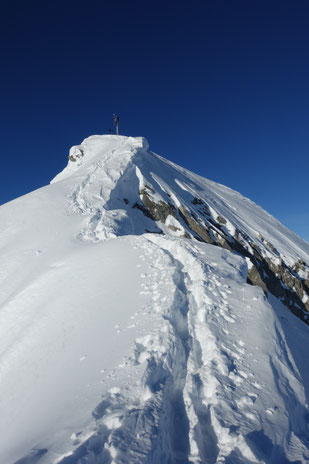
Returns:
(219, 87)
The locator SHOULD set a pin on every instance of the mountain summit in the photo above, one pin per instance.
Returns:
(115, 176)
(149, 315)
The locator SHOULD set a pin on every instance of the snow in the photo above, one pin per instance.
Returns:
(122, 346)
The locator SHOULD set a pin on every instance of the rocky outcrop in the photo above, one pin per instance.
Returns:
(156, 211)
(200, 232)
(75, 154)
(272, 275)
(254, 278)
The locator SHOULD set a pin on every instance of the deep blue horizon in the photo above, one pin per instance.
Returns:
(220, 88)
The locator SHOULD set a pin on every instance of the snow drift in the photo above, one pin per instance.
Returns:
(148, 315)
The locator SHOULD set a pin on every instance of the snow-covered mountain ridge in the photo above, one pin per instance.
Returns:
(126, 336)
(180, 203)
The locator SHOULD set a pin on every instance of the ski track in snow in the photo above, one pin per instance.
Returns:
(202, 393)
(208, 375)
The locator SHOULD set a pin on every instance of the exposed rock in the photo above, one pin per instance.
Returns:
(254, 278)
(173, 228)
(75, 154)
(197, 201)
(268, 244)
(238, 245)
(186, 235)
(142, 208)
(158, 211)
(221, 241)
(221, 220)
(144, 190)
(272, 248)
(300, 265)
(159, 232)
(196, 227)
(205, 212)
(215, 224)
(279, 281)
(299, 288)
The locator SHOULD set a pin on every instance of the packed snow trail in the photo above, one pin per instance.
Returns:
(122, 346)
(214, 390)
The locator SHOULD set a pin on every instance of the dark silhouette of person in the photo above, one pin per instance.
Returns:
(116, 122)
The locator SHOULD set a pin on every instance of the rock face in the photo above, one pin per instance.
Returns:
(273, 276)
(156, 211)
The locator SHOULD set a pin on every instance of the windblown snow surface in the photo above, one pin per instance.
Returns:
(119, 344)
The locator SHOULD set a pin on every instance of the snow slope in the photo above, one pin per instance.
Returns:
(123, 344)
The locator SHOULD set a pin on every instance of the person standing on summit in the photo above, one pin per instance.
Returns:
(116, 122)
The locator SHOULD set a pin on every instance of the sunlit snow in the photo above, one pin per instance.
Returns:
(123, 344)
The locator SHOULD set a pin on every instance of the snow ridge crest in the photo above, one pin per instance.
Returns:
(98, 150)
(122, 188)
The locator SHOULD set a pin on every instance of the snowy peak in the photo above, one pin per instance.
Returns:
(122, 188)
(144, 319)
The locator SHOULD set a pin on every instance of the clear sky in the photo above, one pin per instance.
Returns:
(220, 87)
